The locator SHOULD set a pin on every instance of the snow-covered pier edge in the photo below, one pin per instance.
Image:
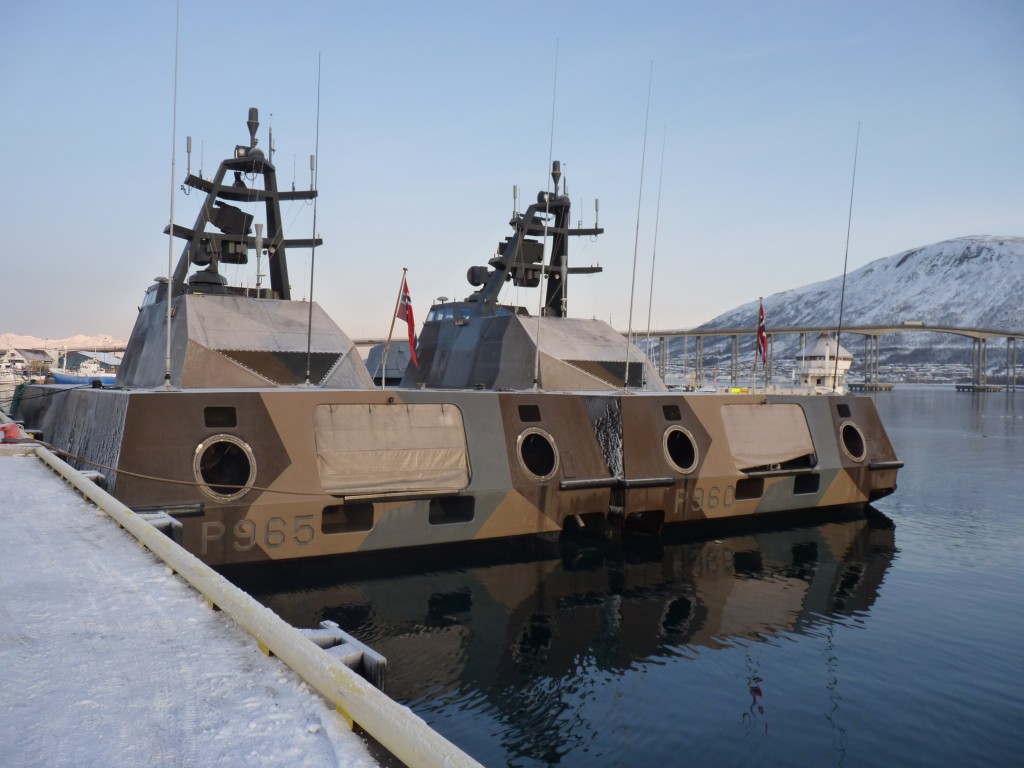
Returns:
(396, 727)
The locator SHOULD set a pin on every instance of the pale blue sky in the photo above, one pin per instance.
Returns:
(430, 112)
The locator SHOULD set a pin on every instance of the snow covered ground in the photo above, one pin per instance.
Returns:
(110, 659)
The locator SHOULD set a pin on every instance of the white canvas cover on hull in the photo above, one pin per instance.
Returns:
(768, 433)
(369, 448)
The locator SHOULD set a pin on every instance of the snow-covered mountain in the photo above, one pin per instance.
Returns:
(973, 282)
(13, 341)
(968, 282)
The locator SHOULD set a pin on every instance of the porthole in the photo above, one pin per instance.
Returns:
(537, 453)
(680, 449)
(852, 440)
(224, 467)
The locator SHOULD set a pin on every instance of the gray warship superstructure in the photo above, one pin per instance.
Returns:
(235, 336)
(264, 438)
(482, 343)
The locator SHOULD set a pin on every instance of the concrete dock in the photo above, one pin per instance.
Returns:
(111, 657)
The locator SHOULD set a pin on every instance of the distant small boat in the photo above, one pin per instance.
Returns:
(74, 378)
(88, 372)
(10, 378)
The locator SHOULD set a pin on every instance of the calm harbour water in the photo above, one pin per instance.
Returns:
(890, 639)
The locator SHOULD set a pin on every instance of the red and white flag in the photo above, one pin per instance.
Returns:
(762, 337)
(405, 313)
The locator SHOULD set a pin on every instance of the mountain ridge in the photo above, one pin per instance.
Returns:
(76, 343)
(973, 281)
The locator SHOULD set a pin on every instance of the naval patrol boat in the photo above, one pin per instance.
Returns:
(247, 422)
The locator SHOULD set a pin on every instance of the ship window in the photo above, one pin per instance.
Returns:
(843, 410)
(680, 449)
(853, 441)
(749, 488)
(224, 467)
(346, 518)
(671, 412)
(537, 453)
(220, 416)
(529, 413)
(451, 509)
(806, 484)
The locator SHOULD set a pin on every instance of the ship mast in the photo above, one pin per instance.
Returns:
(223, 233)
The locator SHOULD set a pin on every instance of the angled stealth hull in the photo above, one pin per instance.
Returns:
(281, 473)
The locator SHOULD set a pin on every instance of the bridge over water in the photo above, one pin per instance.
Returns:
(872, 334)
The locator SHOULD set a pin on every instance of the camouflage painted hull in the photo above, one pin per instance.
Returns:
(292, 472)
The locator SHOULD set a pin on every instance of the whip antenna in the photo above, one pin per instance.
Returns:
(313, 170)
(654, 250)
(547, 217)
(170, 237)
(842, 290)
(636, 238)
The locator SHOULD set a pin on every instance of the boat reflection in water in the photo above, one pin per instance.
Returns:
(516, 640)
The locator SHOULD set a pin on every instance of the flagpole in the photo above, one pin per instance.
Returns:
(387, 344)
(753, 375)
(762, 339)
(757, 351)
(760, 345)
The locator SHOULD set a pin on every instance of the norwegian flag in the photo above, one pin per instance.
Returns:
(762, 337)
(405, 313)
